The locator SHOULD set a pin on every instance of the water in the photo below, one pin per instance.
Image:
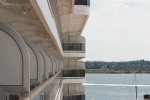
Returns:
(116, 86)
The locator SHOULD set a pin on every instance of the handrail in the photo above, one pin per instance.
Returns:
(38, 89)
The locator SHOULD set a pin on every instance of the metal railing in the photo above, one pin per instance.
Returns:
(48, 90)
(74, 47)
(74, 73)
(82, 2)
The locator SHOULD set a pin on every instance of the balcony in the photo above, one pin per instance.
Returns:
(22, 64)
(73, 91)
(74, 49)
(74, 76)
(73, 46)
(81, 7)
(70, 64)
(74, 71)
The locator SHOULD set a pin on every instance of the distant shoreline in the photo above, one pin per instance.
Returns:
(129, 67)
(98, 71)
(117, 73)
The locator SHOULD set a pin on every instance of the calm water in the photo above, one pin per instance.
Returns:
(116, 86)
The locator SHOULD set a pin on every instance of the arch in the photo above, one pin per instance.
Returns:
(46, 64)
(15, 61)
(61, 65)
(51, 66)
(54, 64)
(42, 66)
(36, 68)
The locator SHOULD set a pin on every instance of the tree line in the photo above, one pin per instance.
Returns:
(140, 66)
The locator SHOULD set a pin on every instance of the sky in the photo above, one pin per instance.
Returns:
(118, 30)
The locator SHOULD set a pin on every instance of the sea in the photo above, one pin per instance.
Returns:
(116, 86)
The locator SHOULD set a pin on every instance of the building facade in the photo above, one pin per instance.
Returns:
(41, 48)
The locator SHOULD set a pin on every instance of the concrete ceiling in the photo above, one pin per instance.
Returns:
(22, 17)
(71, 24)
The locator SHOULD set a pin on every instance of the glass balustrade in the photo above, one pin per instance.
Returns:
(74, 73)
(74, 47)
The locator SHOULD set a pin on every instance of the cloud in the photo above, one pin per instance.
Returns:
(118, 29)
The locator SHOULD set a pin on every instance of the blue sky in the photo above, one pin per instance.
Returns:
(118, 30)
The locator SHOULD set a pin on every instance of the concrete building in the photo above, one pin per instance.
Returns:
(40, 49)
